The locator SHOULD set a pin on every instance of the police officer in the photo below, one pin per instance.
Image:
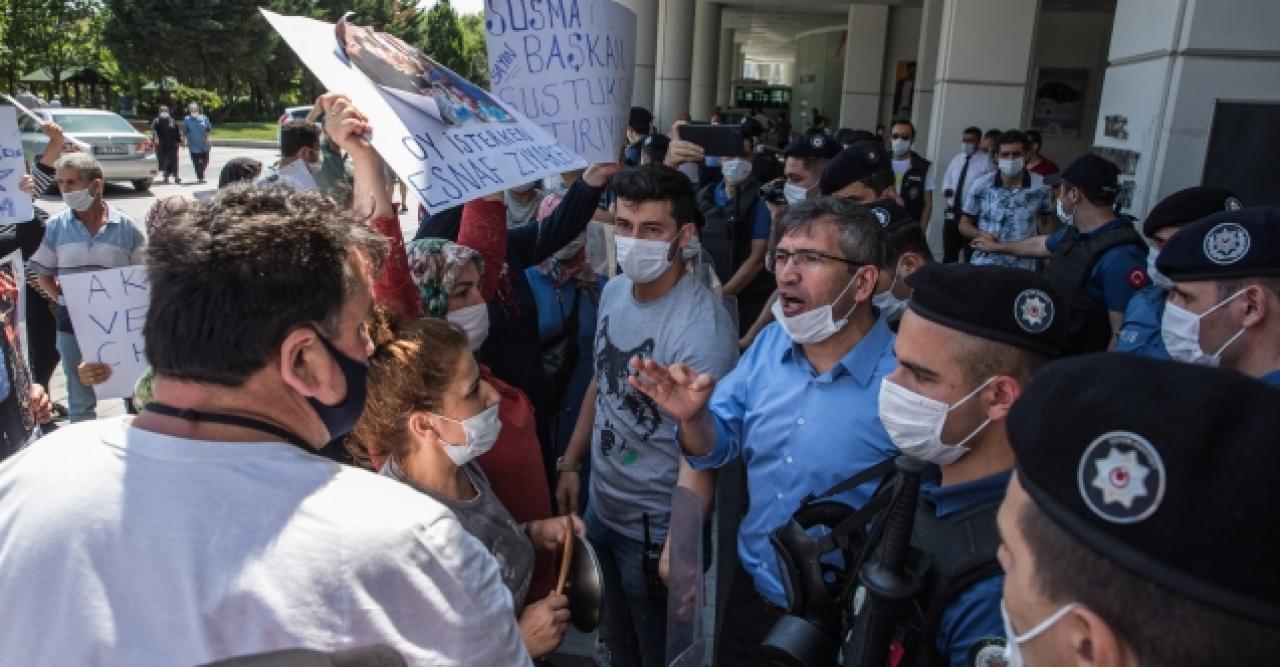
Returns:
(1134, 538)
(906, 250)
(1140, 333)
(1098, 260)
(639, 125)
(806, 157)
(967, 347)
(1224, 306)
(861, 172)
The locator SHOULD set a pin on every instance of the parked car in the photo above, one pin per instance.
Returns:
(125, 153)
(291, 113)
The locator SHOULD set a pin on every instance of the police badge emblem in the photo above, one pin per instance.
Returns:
(817, 141)
(987, 652)
(1121, 477)
(1232, 204)
(1226, 243)
(881, 215)
(1033, 310)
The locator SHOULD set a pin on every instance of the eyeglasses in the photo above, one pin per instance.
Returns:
(807, 260)
(899, 136)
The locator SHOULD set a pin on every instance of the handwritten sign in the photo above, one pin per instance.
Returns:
(444, 137)
(108, 309)
(15, 205)
(567, 66)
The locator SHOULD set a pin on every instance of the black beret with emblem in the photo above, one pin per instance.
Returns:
(1232, 244)
(1003, 304)
(891, 214)
(1168, 469)
(817, 145)
(1188, 205)
(852, 164)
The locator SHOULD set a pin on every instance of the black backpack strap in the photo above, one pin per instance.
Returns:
(961, 583)
(878, 470)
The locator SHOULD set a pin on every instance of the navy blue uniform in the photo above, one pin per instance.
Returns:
(1140, 333)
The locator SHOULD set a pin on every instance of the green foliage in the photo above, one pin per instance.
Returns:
(56, 34)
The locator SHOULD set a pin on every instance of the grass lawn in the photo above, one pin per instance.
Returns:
(262, 131)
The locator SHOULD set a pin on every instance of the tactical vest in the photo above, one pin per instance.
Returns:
(960, 550)
(726, 232)
(912, 190)
(1088, 325)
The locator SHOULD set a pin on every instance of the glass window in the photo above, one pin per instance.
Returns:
(104, 122)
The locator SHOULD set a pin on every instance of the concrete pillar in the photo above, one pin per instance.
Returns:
(702, 84)
(982, 71)
(1171, 64)
(675, 61)
(926, 71)
(646, 50)
(788, 73)
(739, 66)
(863, 66)
(724, 77)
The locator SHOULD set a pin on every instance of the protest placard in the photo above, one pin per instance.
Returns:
(15, 205)
(567, 66)
(108, 309)
(445, 137)
(19, 420)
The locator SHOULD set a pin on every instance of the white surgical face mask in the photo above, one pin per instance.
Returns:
(554, 183)
(1067, 218)
(735, 171)
(1159, 279)
(1013, 645)
(482, 431)
(915, 422)
(814, 326)
(78, 200)
(890, 306)
(968, 149)
(794, 193)
(1011, 168)
(1180, 329)
(164, 114)
(643, 260)
(900, 146)
(315, 167)
(474, 321)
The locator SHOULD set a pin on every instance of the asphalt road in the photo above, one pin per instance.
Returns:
(136, 204)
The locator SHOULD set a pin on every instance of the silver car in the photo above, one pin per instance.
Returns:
(125, 153)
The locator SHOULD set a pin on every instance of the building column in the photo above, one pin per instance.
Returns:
(863, 66)
(926, 71)
(675, 61)
(642, 86)
(702, 85)
(982, 69)
(1166, 76)
(724, 78)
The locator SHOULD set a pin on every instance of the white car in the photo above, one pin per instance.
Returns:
(125, 153)
(291, 113)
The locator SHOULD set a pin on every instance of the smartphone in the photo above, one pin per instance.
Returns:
(715, 140)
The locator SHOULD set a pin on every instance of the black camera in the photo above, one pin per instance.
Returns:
(773, 192)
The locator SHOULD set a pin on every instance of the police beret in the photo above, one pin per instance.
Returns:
(1168, 469)
(813, 145)
(639, 117)
(853, 164)
(1188, 205)
(891, 214)
(1003, 304)
(1090, 172)
(1230, 244)
(657, 142)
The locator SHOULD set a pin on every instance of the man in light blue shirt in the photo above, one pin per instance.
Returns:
(196, 128)
(801, 407)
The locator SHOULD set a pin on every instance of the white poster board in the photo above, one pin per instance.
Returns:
(15, 205)
(445, 137)
(567, 67)
(108, 309)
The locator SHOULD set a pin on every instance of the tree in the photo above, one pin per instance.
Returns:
(50, 33)
(474, 49)
(443, 38)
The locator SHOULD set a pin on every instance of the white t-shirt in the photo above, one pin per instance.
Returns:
(120, 546)
(900, 167)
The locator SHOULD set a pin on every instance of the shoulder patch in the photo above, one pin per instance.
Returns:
(1137, 277)
(987, 652)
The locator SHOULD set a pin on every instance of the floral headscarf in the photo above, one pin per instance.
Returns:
(434, 265)
(569, 263)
